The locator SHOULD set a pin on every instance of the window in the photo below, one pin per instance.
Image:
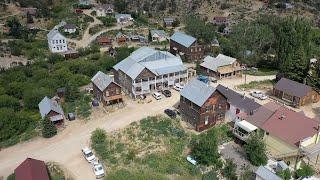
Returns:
(208, 108)
(219, 106)
(206, 120)
(208, 70)
(220, 116)
(199, 49)
(52, 41)
(191, 50)
(63, 41)
(107, 93)
(56, 41)
(195, 49)
(117, 91)
(267, 133)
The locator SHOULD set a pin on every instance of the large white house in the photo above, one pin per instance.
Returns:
(56, 41)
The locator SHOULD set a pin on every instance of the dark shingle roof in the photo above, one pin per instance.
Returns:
(238, 100)
(292, 87)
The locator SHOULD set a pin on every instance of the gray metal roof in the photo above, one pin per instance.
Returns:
(169, 20)
(238, 100)
(292, 87)
(46, 105)
(183, 39)
(159, 32)
(101, 80)
(53, 33)
(266, 174)
(219, 61)
(158, 62)
(197, 92)
(118, 16)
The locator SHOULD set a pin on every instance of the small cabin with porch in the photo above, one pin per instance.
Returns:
(105, 89)
(50, 108)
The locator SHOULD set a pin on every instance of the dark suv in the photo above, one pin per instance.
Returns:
(166, 93)
(170, 113)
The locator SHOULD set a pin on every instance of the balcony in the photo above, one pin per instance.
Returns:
(111, 98)
(243, 129)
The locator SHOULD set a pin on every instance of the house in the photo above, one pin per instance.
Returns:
(31, 169)
(103, 9)
(56, 41)
(71, 54)
(285, 131)
(123, 18)
(158, 35)
(104, 41)
(85, 2)
(201, 105)
(264, 173)
(186, 46)
(219, 20)
(215, 43)
(168, 22)
(121, 38)
(105, 89)
(70, 28)
(226, 31)
(51, 108)
(30, 11)
(295, 93)
(147, 70)
(237, 103)
(221, 67)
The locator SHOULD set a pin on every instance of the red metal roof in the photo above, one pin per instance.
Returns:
(290, 126)
(31, 169)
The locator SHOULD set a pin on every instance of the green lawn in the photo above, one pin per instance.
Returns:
(257, 85)
(262, 72)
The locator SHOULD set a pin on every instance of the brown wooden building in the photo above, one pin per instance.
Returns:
(186, 46)
(105, 89)
(202, 105)
(104, 41)
(221, 67)
(295, 93)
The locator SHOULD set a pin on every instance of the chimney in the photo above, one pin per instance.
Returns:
(282, 117)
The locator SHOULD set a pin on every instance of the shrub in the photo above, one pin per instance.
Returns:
(205, 149)
(285, 174)
(305, 171)
(211, 175)
(49, 129)
(256, 150)
(11, 177)
(229, 170)
(9, 102)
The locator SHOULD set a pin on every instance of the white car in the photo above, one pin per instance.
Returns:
(259, 95)
(178, 86)
(98, 170)
(156, 95)
(87, 153)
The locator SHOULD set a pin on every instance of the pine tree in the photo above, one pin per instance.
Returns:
(48, 128)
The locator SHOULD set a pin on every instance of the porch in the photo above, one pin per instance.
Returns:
(243, 129)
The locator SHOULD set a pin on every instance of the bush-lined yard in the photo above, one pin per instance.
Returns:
(154, 148)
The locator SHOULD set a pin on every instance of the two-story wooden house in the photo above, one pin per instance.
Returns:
(105, 89)
(186, 46)
(202, 105)
(221, 67)
(147, 70)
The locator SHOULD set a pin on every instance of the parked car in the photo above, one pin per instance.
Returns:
(259, 95)
(178, 86)
(166, 93)
(98, 170)
(191, 160)
(156, 95)
(87, 153)
(170, 113)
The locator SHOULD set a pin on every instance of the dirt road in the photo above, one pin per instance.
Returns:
(65, 147)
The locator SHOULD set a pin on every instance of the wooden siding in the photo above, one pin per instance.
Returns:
(193, 53)
(197, 116)
(111, 94)
(311, 97)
